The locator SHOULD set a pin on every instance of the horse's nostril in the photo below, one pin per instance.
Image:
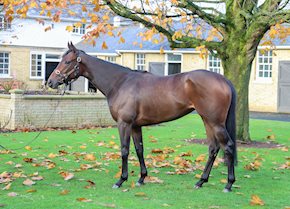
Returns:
(49, 83)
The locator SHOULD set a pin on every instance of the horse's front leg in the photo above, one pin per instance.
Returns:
(138, 142)
(124, 132)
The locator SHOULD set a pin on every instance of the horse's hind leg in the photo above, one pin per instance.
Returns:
(138, 142)
(229, 154)
(222, 136)
(213, 151)
(125, 134)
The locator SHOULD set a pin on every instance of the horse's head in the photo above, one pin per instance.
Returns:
(68, 69)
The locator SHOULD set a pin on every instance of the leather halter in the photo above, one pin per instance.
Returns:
(75, 70)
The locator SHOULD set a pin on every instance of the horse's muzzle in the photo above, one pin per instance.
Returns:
(52, 83)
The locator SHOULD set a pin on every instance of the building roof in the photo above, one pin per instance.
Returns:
(131, 35)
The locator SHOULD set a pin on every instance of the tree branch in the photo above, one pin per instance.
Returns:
(180, 42)
(213, 20)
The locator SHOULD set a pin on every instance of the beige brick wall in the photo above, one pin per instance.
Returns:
(263, 96)
(192, 62)
(5, 111)
(72, 111)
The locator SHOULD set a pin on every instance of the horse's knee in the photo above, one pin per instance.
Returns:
(124, 152)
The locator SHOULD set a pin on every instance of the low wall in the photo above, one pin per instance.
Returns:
(34, 111)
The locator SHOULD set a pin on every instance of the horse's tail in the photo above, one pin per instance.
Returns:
(231, 121)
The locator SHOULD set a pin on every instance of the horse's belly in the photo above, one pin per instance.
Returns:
(154, 115)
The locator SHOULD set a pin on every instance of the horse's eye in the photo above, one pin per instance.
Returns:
(66, 62)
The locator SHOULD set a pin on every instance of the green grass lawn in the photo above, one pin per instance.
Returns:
(71, 154)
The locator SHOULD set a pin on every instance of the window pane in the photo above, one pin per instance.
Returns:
(174, 57)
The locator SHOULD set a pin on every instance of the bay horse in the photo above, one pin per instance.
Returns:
(137, 99)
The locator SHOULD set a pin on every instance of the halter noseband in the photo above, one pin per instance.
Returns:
(75, 70)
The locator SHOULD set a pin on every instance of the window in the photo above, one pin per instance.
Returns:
(4, 24)
(265, 60)
(173, 64)
(214, 64)
(140, 61)
(4, 64)
(79, 30)
(36, 66)
(111, 59)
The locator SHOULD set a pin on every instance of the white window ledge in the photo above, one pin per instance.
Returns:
(263, 81)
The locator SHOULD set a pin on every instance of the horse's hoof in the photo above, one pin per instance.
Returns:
(115, 186)
(197, 187)
(138, 184)
(226, 190)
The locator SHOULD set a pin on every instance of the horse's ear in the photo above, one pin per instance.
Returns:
(68, 45)
(72, 47)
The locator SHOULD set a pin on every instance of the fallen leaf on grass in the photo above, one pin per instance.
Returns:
(254, 166)
(166, 205)
(28, 160)
(82, 199)
(200, 158)
(140, 194)
(52, 155)
(31, 190)
(132, 184)
(12, 194)
(152, 179)
(28, 182)
(256, 200)
(37, 178)
(89, 157)
(157, 151)
(7, 187)
(66, 175)
(2, 205)
(91, 184)
(64, 192)
(28, 148)
(224, 181)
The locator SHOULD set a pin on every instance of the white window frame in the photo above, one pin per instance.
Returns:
(212, 61)
(140, 62)
(41, 77)
(111, 59)
(266, 66)
(4, 24)
(4, 75)
(167, 61)
(79, 30)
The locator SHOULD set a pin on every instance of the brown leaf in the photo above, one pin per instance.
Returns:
(52, 155)
(28, 182)
(64, 192)
(28, 148)
(132, 184)
(82, 199)
(140, 194)
(66, 175)
(37, 178)
(89, 157)
(91, 184)
(28, 160)
(157, 151)
(256, 200)
(31, 190)
(254, 166)
(200, 158)
(184, 154)
(7, 187)
(152, 179)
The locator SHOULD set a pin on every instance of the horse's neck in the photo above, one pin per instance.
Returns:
(104, 75)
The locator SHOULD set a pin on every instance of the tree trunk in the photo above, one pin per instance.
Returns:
(237, 68)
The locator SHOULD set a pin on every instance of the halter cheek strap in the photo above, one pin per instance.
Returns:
(75, 70)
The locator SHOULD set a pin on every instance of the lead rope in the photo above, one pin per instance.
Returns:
(41, 131)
